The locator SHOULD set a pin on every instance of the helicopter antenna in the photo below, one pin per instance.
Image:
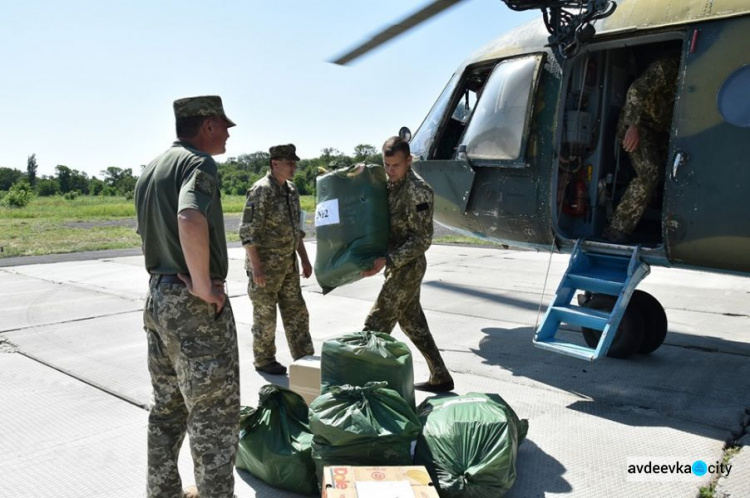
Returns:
(569, 22)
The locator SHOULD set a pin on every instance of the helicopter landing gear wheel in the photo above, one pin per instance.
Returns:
(655, 321)
(629, 335)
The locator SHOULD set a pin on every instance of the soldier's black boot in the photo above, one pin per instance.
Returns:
(273, 368)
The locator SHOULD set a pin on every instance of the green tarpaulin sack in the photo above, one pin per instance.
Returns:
(361, 357)
(370, 425)
(469, 444)
(275, 441)
(351, 223)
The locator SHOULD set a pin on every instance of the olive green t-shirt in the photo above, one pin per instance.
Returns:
(181, 178)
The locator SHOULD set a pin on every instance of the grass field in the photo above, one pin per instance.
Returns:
(89, 207)
(80, 208)
(50, 225)
(463, 240)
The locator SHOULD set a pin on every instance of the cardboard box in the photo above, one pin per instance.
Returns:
(304, 378)
(341, 481)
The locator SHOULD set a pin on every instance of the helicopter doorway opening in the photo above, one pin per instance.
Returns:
(594, 171)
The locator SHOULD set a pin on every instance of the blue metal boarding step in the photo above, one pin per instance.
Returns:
(597, 268)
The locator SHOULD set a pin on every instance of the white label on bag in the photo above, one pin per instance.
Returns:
(327, 213)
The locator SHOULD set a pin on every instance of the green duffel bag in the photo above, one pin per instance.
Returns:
(360, 357)
(370, 425)
(469, 444)
(351, 223)
(275, 441)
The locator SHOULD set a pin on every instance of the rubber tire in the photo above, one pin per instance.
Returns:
(655, 321)
(629, 334)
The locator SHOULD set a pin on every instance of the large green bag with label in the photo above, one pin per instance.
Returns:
(275, 441)
(361, 357)
(469, 444)
(351, 223)
(370, 425)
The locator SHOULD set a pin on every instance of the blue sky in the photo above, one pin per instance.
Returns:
(90, 84)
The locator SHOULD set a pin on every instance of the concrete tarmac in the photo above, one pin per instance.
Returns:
(75, 387)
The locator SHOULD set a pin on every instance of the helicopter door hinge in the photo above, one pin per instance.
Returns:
(680, 158)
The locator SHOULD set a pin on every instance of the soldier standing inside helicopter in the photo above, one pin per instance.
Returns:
(410, 208)
(643, 129)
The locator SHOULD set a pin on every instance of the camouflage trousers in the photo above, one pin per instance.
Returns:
(398, 302)
(648, 161)
(194, 366)
(283, 290)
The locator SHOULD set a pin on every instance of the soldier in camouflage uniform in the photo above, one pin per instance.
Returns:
(643, 128)
(410, 207)
(272, 236)
(192, 337)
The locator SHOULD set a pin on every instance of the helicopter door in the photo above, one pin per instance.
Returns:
(706, 220)
(486, 182)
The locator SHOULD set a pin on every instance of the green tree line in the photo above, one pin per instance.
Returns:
(236, 175)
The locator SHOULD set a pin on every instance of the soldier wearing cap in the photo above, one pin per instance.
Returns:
(272, 235)
(410, 209)
(190, 328)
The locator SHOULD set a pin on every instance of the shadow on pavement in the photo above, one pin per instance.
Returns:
(665, 385)
(545, 477)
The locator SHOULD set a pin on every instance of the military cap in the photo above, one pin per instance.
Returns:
(203, 106)
(288, 151)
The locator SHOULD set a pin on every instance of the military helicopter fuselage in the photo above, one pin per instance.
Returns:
(521, 145)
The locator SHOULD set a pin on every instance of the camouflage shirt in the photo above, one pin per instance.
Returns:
(410, 206)
(271, 218)
(650, 99)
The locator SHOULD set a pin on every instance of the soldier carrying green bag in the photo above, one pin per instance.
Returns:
(410, 207)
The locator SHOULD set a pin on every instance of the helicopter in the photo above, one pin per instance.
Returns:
(521, 148)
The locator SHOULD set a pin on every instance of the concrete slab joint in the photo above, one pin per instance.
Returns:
(81, 366)
(7, 347)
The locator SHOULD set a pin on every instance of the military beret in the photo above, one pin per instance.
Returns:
(288, 151)
(204, 106)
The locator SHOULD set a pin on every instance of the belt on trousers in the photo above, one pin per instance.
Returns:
(166, 279)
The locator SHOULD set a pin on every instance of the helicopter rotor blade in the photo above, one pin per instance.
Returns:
(431, 10)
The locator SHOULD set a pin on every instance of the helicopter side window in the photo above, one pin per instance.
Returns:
(463, 110)
(458, 112)
(454, 127)
(497, 128)
(424, 137)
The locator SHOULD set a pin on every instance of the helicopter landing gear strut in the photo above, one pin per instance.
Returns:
(643, 327)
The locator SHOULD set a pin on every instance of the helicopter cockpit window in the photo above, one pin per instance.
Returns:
(463, 110)
(426, 133)
(496, 130)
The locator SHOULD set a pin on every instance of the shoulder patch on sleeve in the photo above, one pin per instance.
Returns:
(424, 206)
(248, 212)
(204, 183)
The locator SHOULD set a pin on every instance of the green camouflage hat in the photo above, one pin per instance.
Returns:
(206, 105)
(288, 151)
